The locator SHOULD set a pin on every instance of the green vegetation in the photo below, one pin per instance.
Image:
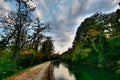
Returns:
(97, 42)
(22, 42)
(7, 65)
(84, 72)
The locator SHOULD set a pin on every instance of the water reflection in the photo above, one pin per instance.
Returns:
(61, 72)
(83, 72)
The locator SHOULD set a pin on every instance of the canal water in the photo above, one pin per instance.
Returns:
(65, 71)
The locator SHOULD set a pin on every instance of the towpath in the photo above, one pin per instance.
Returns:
(39, 72)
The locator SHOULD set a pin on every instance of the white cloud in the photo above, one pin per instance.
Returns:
(66, 15)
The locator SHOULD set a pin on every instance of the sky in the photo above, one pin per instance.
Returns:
(65, 16)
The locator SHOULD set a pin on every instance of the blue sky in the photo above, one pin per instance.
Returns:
(65, 16)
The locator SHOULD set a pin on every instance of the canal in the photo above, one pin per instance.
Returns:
(65, 71)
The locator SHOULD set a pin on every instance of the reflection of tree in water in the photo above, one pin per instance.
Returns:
(85, 72)
(65, 65)
(69, 67)
(71, 72)
(56, 64)
(62, 72)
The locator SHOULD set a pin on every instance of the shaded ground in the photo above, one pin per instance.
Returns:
(39, 72)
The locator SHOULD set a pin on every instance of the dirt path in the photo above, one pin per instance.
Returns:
(40, 72)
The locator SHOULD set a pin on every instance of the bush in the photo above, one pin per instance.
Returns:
(7, 66)
(23, 59)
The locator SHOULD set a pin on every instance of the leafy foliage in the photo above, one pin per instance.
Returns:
(97, 41)
(48, 48)
(22, 37)
(7, 65)
(80, 53)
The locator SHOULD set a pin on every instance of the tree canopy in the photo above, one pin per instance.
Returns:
(97, 41)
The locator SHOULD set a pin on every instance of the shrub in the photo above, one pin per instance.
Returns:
(7, 66)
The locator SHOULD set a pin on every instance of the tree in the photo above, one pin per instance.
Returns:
(48, 48)
(97, 41)
(37, 36)
(16, 25)
(20, 30)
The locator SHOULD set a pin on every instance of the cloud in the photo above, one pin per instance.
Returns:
(4, 7)
(65, 16)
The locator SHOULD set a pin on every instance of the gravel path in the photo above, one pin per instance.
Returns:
(39, 72)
